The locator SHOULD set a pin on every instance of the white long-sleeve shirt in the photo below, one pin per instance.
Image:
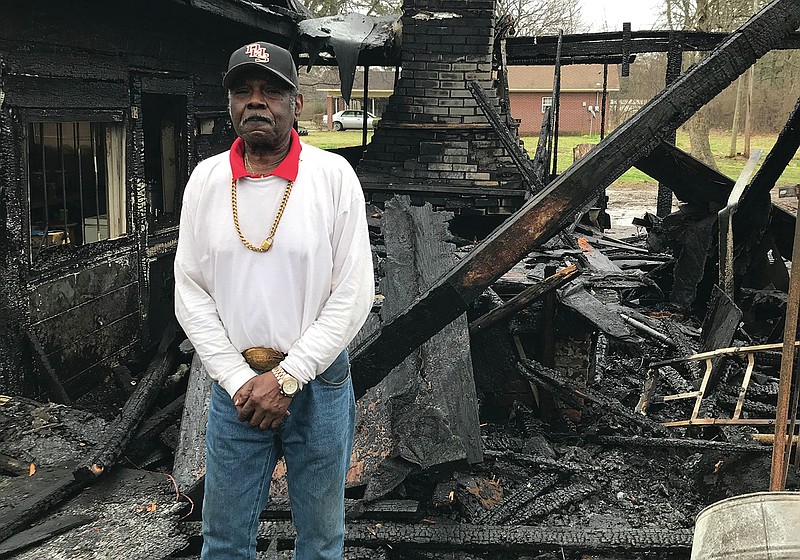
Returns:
(307, 296)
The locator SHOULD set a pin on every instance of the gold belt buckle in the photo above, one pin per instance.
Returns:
(263, 359)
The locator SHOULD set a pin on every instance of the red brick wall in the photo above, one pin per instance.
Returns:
(574, 117)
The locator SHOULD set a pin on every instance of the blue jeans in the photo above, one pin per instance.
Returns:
(316, 441)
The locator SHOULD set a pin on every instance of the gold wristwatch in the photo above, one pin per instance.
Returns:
(288, 384)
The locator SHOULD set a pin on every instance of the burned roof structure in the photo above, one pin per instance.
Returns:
(548, 392)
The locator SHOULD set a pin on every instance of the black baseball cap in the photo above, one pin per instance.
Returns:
(265, 56)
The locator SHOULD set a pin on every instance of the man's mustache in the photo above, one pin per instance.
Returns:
(258, 118)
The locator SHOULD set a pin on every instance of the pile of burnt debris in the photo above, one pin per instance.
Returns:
(573, 412)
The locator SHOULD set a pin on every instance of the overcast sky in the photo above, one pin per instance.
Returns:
(608, 15)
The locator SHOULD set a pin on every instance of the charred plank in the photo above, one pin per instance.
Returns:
(518, 156)
(519, 500)
(554, 501)
(43, 532)
(524, 299)
(679, 443)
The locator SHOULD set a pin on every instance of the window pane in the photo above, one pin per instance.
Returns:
(67, 170)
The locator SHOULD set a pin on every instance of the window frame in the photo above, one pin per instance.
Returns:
(114, 130)
(545, 105)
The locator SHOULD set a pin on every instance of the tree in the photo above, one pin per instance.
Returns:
(542, 17)
(322, 8)
(705, 15)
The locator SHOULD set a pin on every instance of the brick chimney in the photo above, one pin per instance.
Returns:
(433, 139)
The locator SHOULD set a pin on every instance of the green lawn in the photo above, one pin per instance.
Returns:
(720, 146)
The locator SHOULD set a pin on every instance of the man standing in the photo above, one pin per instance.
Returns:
(273, 278)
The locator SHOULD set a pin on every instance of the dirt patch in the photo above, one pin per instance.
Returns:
(627, 201)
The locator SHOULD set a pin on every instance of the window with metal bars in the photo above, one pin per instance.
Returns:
(76, 176)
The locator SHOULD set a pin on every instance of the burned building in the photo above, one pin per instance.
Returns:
(474, 437)
(104, 110)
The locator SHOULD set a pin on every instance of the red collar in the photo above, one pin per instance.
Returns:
(287, 169)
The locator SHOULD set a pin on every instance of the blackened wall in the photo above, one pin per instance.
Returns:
(95, 305)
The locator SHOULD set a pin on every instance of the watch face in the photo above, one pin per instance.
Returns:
(289, 385)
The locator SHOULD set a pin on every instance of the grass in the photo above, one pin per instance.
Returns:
(720, 147)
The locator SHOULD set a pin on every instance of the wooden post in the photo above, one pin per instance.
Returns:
(674, 66)
(780, 462)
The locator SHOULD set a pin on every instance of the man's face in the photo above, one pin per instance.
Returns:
(263, 109)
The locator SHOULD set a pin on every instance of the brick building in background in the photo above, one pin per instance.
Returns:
(531, 91)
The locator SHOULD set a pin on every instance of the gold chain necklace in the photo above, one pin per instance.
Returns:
(265, 246)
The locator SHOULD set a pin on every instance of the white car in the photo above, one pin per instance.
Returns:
(350, 118)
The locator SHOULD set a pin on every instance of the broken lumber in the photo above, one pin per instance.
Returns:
(157, 423)
(50, 487)
(544, 214)
(530, 179)
(688, 178)
(513, 503)
(120, 432)
(719, 328)
(553, 501)
(538, 373)
(525, 298)
(680, 443)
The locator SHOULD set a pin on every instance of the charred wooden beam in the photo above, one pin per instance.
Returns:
(751, 227)
(525, 298)
(519, 500)
(553, 501)
(542, 463)
(594, 48)
(678, 443)
(785, 148)
(509, 141)
(541, 159)
(719, 328)
(395, 510)
(153, 426)
(124, 426)
(485, 538)
(543, 215)
(536, 372)
(13, 466)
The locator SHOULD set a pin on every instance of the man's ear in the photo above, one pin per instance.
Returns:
(298, 106)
